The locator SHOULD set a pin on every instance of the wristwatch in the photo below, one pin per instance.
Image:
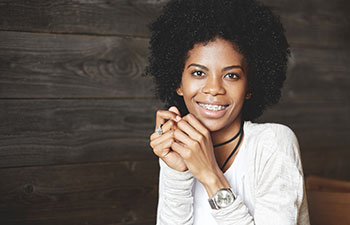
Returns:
(223, 198)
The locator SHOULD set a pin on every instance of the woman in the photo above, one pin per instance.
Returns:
(219, 63)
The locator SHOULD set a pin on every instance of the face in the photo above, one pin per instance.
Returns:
(214, 84)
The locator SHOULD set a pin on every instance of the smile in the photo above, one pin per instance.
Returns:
(212, 107)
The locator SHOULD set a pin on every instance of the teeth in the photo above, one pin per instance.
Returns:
(212, 107)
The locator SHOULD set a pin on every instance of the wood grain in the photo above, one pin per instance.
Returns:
(75, 66)
(315, 98)
(318, 75)
(331, 162)
(47, 132)
(117, 17)
(312, 23)
(101, 193)
(76, 114)
(72, 66)
(318, 125)
(50, 132)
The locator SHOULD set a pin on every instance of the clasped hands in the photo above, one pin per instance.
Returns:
(185, 144)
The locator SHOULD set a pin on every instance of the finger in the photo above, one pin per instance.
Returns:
(183, 138)
(169, 125)
(194, 122)
(175, 110)
(163, 149)
(164, 115)
(181, 150)
(162, 138)
(188, 129)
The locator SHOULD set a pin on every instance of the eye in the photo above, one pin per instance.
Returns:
(198, 73)
(233, 76)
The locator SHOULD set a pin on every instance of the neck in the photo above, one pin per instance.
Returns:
(226, 133)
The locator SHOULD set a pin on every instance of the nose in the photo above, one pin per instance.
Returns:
(213, 86)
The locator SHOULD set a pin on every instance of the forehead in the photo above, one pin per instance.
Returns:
(216, 52)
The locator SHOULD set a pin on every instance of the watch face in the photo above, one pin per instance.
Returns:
(224, 198)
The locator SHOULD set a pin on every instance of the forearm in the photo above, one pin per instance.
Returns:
(175, 204)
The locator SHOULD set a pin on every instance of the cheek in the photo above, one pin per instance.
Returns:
(239, 95)
(190, 88)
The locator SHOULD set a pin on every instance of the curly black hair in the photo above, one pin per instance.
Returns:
(249, 24)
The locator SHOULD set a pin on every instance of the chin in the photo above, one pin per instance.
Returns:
(213, 126)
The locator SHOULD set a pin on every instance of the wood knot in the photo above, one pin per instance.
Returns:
(28, 188)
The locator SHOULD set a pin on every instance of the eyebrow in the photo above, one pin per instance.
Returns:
(224, 69)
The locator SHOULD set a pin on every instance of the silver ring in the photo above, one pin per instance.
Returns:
(159, 130)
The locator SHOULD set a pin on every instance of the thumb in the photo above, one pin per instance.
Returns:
(175, 110)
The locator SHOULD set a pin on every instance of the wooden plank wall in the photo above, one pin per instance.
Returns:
(76, 113)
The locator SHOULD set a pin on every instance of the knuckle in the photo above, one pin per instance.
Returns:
(156, 150)
(159, 112)
(159, 151)
(171, 123)
(162, 153)
(187, 155)
(189, 116)
(201, 138)
(195, 145)
(206, 133)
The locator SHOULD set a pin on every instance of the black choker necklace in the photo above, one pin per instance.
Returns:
(240, 134)
(232, 139)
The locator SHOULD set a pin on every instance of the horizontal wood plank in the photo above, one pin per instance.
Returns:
(312, 22)
(331, 162)
(317, 124)
(75, 66)
(317, 76)
(102, 193)
(317, 23)
(46, 132)
(117, 17)
(70, 66)
(50, 132)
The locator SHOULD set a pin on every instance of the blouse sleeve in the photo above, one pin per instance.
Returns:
(175, 202)
(280, 190)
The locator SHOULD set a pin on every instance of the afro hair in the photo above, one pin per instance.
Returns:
(248, 24)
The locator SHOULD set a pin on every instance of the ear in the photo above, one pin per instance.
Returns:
(248, 95)
(179, 91)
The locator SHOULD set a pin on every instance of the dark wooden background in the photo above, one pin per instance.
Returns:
(76, 113)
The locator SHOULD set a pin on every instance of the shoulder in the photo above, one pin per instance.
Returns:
(274, 132)
(273, 138)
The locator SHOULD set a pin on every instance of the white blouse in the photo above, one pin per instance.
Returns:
(266, 176)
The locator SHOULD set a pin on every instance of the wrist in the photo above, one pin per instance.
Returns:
(214, 182)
